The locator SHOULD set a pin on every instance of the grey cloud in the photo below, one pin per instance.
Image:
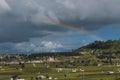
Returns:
(12, 29)
(92, 14)
(21, 20)
(102, 11)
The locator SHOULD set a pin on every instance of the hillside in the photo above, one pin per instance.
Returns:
(110, 46)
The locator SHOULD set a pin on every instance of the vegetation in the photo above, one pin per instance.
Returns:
(110, 46)
(107, 52)
(90, 73)
(99, 60)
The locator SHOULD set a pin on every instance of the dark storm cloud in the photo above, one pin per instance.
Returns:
(14, 30)
(21, 20)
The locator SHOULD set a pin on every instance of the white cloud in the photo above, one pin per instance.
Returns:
(32, 47)
(27, 47)
(4, 6)
(84, 42)
(51, 45)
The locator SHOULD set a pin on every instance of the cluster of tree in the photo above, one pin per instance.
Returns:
(52, 54)
(110, 45)
(104, 50)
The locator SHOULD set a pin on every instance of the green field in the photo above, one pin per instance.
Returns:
(90, 72)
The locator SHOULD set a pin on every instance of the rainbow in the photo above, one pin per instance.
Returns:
(82, 31)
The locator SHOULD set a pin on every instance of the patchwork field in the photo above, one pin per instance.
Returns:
(45, 72)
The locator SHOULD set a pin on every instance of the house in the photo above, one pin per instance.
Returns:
(82, 70)
(55, 78)
(99, 64)
(110, 72)
(50, 78)
(16, 79)
(41, 76)
(74, 70)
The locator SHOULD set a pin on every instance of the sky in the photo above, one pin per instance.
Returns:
(33, 26)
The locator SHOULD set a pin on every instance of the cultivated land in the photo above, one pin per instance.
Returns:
(108, 72)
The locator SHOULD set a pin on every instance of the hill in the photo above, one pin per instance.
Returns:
(104, 51)
(110, 46)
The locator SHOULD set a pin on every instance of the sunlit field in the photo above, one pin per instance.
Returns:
(35, 71)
